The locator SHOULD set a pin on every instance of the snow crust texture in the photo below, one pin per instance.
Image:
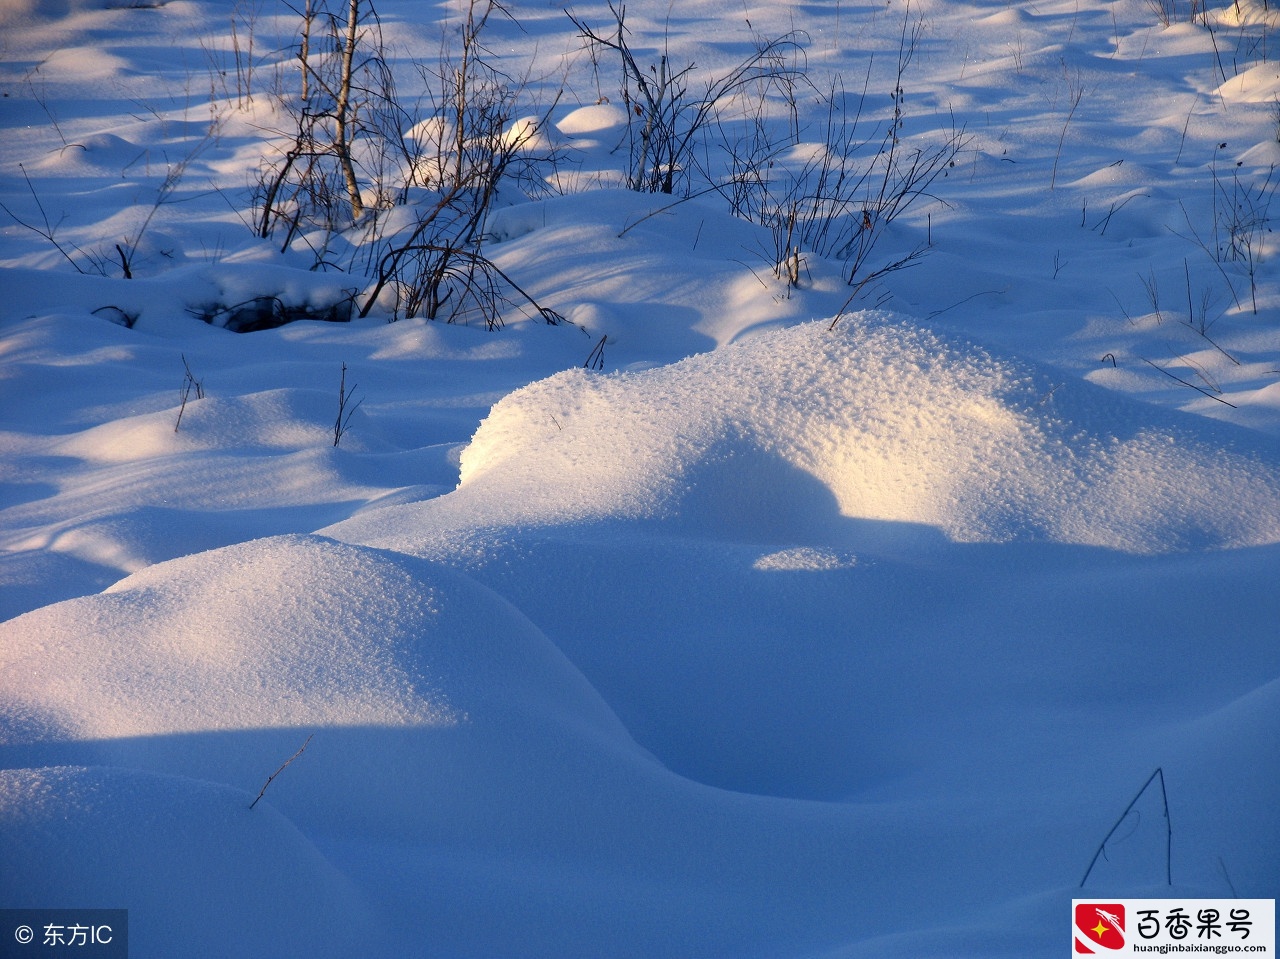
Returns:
(784, 436)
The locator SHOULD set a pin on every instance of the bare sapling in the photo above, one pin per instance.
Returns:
(343, 121)
(1240, 224)
(906, 174)
(346, 410)
(1243, 221)
(408, 191)
(304, 181)
(840, 201)
(189, 385)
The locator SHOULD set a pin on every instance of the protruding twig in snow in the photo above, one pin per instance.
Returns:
(279, 771)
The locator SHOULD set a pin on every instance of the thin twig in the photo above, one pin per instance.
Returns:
(595, 359)
(1076, 92)
(189, 382)
(1185, 383)
(663, 209)
(1168, 834)
(974, 296)
(49, 230)
(279, 771)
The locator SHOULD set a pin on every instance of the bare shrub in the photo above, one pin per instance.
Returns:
(409, 189)
(665, 118)
(470, 141)
(861, 174)
(1240, 223)
(1169, 12)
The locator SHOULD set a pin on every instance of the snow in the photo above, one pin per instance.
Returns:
(987, 451)
(72, 827)
(727, 618)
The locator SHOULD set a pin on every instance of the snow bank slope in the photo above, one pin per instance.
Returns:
(218, 665)
(475, 769)
(147, 717)
(485, 801)
(814, 563)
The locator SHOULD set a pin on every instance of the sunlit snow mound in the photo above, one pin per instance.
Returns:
(217, 666)
(289, 631)
(137, 726)
(798, 435)
(273, 633)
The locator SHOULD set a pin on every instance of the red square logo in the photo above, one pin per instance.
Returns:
(1099, 927)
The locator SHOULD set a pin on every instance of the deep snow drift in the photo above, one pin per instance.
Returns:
(773, 637)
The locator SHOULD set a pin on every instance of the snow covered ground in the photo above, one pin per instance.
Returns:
(761, 636)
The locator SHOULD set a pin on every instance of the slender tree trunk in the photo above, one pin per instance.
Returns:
(304, 52)
(342, 134)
